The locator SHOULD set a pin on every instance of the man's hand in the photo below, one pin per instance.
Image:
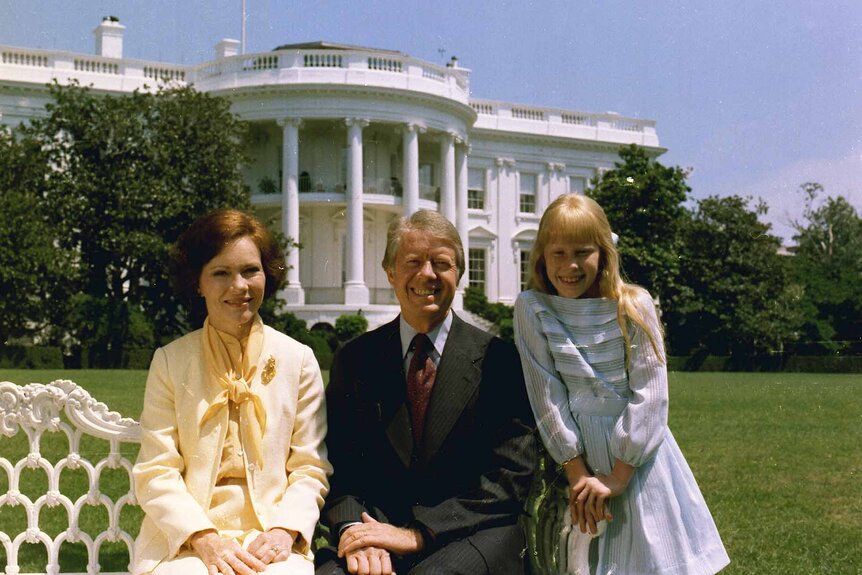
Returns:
(224, 555)
(273, 545)
(369, 561)
(371, 533)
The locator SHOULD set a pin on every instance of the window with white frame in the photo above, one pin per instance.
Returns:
(426, 174)
(524, 266)
(577, 185)
(527, 195)
(427, 188)
(476, 267)
(475, 189)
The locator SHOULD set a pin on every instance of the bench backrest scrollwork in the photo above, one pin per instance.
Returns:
(35, 410)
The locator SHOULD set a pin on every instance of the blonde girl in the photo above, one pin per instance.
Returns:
(592, 351)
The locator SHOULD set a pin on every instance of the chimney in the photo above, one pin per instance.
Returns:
(227, 48)
(109, 37)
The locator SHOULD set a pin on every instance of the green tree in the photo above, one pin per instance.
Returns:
(828, 263)
(738, 300)
(127, 175)
(33, 269)
(644, 202)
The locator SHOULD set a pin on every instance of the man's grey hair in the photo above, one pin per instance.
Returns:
(428, 222)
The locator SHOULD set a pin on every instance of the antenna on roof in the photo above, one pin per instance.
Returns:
(242, 44)
(442, 51)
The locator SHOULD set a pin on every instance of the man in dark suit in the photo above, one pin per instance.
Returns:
(431, 438)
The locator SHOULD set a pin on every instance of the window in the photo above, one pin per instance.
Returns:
(427, 189)
(476, 268)
(577, 185)
(524, 268)
(475, 189)
(527, 196)
(345, 159)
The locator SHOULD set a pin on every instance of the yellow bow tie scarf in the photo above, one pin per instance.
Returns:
(233, 365)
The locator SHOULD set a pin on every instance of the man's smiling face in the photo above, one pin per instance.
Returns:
(424, 277)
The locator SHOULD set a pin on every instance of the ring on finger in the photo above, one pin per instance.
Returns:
(276, 548)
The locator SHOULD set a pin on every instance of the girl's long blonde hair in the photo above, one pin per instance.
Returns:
(573, 218)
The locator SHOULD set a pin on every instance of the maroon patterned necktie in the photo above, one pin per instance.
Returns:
(420, 381)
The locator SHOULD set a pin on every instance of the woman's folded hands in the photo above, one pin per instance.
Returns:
(221, 555)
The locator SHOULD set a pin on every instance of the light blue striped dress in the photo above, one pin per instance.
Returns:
(586, 402)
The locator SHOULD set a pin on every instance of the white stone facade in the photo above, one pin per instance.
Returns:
(347, 138)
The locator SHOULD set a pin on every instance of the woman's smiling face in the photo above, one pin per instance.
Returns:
(232, 284)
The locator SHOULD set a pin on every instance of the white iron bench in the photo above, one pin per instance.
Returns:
(37, 410)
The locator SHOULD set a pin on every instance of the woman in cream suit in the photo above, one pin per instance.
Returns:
(232, 470)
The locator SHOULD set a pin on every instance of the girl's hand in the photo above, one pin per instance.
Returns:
(588, 503)
(273, 545)
(224, 555)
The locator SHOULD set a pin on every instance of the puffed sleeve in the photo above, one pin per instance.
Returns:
(158, 472)
(642, 426)
(548, 394)
(307, 465)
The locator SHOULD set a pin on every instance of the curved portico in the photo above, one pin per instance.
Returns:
(349, 157)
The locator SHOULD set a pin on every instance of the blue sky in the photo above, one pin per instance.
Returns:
(756, 97)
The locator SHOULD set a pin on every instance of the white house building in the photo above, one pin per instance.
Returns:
(346, 138)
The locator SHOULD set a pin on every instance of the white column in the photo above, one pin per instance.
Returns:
(355, 290)
(293, 293)
(461, 216)
(500, 275)
(447, 191)
(410, 145)
(555, 170)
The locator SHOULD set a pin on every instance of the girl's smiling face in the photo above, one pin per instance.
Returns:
(573, 268)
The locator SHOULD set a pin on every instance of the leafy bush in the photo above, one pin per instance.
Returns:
(320, 347)
(327, 332)
(349, 326)
(297, 328)
(30, 357)
(500, 314)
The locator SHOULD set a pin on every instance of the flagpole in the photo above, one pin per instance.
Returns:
(242, 49)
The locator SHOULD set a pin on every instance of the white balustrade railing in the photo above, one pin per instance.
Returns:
(536, 114)
(382, 186)
(165, 74)
(578, 119)
(324, 66)
(429, 193)
(433, 74)
(97, 66)
(483, 108)
(385, 64)
(323, 60)
(61, 408)
(606, 126)
(390, 69)
(22, 58)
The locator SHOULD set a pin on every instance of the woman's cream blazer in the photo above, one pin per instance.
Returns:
(176, 469)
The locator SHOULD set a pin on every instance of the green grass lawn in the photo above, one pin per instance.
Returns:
(777, 456)
(779, 460)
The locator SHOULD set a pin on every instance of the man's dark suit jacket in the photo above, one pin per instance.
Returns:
(480, 452)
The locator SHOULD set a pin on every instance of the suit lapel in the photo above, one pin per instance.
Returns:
(199, 391)
(394, 413)
(458, 377)
(268, 395)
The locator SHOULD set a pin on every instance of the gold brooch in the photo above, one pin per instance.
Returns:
(268, 370)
